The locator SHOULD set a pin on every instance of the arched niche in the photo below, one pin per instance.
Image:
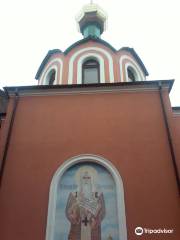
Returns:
(125, 63)
(132, 74)
(51, 77)
(104, 216)
(86, 57)
(86, 49)
(90, 71)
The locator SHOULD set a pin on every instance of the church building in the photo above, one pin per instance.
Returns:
(92, 151)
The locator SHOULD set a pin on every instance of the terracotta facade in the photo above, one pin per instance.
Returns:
(124, 125)
(127, 121)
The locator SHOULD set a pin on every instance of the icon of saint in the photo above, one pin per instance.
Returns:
(85, 208)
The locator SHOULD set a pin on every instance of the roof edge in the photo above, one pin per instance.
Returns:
(176, 109)
(85, 87)
(84, 40)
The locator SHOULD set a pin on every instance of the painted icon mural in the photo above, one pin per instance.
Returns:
(86, 207)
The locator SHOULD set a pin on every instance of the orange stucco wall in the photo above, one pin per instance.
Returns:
(176, 137)
(126, 128)
(1, 126)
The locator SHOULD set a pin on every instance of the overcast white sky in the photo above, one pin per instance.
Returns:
(28, 29)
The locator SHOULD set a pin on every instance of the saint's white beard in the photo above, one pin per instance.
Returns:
(87, 190)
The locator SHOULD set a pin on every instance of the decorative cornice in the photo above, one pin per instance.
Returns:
(44, 90)
(176, 111)
(176, 108)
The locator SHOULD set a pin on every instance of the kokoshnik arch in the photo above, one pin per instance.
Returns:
(113, 64)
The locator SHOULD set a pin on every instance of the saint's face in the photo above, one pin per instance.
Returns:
(86, 178)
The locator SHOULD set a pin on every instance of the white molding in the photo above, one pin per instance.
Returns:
(134, 66)
(137, 77)
(81, 61)
(54, 189)
(43, 77)
(88, 91)
(176, 114)
(73, 57)
(53, 67)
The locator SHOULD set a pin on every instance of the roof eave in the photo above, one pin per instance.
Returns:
(85, 87)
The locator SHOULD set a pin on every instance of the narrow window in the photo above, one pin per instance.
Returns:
(50, 79)
(131, 75)
(90, 72)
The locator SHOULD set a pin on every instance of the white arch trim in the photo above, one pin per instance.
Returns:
(138, 74)
(54, 66)
(54, 189)
(73, 57)
(134, 66)
(46, 75)
(81, 61)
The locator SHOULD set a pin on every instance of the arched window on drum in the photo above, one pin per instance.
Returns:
(90, 72)
(132, 74)
(50, 79)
